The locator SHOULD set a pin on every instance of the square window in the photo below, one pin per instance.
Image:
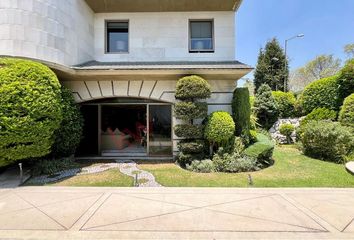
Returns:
(117, 36)
(201, 36)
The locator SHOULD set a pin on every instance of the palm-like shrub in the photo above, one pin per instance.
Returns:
(30, 110)
(265, 107)
(346, 114)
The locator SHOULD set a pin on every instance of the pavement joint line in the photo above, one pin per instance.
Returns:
(79, 225)
(348, 225)
(319, 220)
(191, 208)
(64, 228)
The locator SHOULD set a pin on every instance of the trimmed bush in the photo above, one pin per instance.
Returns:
(262, 150)
(189, 131)
(328, 141)
(322, 93)
(192, 87)
(68, 136)
(183, 159)
(285, 102)
(191, 147)
(265, 107)
(220, 128)
(287, 129)
(346, 114)
(320, 114)
(30, 110)
(189, 110)
(204, 166)
(241, 109)
(346, 81)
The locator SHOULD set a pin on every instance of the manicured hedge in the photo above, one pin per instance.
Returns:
(241, 109)
(68, 136)
(285, 102)
(189, 110)
(189, 131)
(322, 93)
(192, 87)
(346, 80)
(320, 114)
(346, 115)
(30, 110)
(220, 128)
(262, 150)
(328, 141)
(197, 146)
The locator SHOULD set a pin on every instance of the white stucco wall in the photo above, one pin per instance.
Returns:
(58, 31)
(163, 36)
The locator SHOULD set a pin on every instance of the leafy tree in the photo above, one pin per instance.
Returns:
(272, 67)
(349, 50)
(346, 81)
(265, 107)
(321, 67)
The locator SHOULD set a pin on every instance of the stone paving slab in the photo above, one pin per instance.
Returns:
(176, 213)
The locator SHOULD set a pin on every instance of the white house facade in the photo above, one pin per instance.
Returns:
(122, 59)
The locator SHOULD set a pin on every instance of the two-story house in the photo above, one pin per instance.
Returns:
(122, 59)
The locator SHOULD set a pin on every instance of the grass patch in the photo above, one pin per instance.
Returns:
(291, 169)
(109, 178)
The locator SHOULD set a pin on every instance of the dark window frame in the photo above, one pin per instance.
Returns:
(106, 39)
(212, 50)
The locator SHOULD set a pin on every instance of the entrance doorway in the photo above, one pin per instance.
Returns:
(127, 128)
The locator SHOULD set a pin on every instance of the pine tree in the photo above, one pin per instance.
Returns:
(265, 107)
(272, 67)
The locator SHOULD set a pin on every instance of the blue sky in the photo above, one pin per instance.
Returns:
(327, 24)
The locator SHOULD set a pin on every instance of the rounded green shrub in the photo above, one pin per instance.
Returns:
(192, 87)
(327, 140)
(346, 114)
(191, 147)
(189, 110)
(265, 107)
(346, 80)
(203, 166)
(183, 159)
(287, 129)
(262, 150)
(285, 102)
(188, 131)
(30, 109)
(220, 128)
(322, 93)
(319, 114)
(68, 136)
(241, 109)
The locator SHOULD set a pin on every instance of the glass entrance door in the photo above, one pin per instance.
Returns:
(160, 130)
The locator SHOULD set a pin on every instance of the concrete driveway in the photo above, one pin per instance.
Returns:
(176, 213)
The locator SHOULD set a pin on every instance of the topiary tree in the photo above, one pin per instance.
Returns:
(346, 81)
(68, 136)
(322, 93)
(189, 90)
(219, 130)
(346, 114)
(30, 110)
(265, 107)
(241, 109)
(285, 102)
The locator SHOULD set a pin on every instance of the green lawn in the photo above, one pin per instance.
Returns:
(109, 178)
(291, 169)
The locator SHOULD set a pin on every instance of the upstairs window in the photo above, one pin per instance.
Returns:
(117, 36)
(201, 34)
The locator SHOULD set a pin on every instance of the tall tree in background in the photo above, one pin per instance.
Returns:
(321, 67)
(349, 50)
(272, 67)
